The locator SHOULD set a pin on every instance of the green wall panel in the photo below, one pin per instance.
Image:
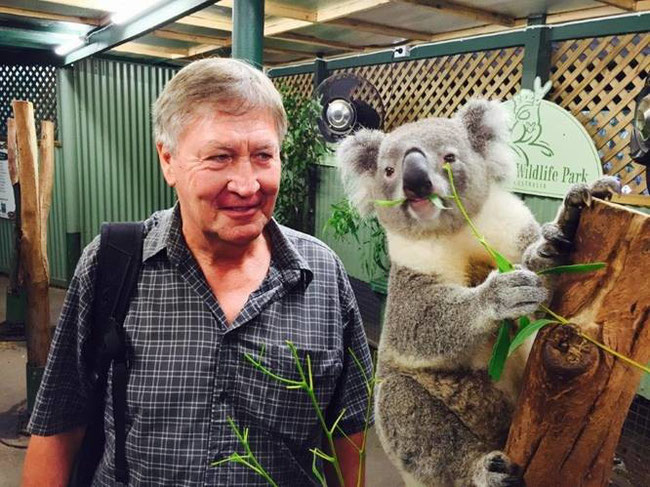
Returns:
(117, 168)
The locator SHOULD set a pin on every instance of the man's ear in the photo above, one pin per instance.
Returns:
(357, 161)
(488, 128)
(165, 159)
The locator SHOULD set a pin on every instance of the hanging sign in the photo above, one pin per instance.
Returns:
(553, 150)
(7, 201)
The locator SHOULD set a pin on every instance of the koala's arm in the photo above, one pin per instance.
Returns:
(428, 320)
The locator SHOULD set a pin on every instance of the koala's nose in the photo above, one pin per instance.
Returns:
(415, 179)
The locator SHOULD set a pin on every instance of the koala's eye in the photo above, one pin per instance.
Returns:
(390, 171)
(450, 158)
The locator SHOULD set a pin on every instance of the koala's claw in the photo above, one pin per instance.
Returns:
(605, 188)
(496, 470)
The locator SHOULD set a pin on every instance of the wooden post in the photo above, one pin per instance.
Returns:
(37, 320)
(576, 396)
(46, 181)
(12, 159)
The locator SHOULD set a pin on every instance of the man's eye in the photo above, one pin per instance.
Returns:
(219, 157)
(450, 158)
(264, 156)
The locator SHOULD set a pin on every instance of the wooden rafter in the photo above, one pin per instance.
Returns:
(474, 13)
(381, 29)
(280, 10)
(197, 39)
(151, 50)
(630, 5)
(209, 20)
(314, 41)
(37, 14)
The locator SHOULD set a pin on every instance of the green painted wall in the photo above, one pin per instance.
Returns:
(117, 167)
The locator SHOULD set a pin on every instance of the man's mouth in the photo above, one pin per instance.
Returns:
(240, 210)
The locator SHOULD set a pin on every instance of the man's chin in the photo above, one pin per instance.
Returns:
(240, 234)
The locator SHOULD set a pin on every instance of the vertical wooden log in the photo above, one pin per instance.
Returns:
(37, 320)
(46, 181)
(576, 396)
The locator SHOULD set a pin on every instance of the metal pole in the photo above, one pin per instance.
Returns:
(248, 31)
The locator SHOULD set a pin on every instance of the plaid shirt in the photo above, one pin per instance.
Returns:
(187, 371)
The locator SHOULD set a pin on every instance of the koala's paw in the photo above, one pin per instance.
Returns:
(581, 195)
(513, 294)
(496, 470)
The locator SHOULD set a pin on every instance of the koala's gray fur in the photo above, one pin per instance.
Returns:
(439, 417)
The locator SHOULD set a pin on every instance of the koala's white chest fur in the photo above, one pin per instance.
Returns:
(502, 220)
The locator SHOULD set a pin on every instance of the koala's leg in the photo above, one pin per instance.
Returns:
(427, 441)
(556, 240)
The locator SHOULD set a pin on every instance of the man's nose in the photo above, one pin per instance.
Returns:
(243, 180)
(415, 179)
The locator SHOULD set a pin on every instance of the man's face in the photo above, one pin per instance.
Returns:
(226, 171)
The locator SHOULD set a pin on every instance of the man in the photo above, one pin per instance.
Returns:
(219, 278)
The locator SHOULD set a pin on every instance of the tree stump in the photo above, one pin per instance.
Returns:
(576, 396)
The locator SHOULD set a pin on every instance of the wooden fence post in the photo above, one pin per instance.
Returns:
(37, 320)
(576, 396)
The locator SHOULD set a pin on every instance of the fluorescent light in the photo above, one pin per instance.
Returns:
(69, 46)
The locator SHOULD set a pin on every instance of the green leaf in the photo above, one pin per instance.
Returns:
(389, 203)
(499, 352)
(573, 268)
(527, 331)
(437, 201)
(524, 321)
(503, 264)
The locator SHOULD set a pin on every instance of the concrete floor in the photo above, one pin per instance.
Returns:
(380, 472)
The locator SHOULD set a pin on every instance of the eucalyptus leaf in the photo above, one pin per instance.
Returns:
(573, 268)
(503, 264)
(389, 203)
(524, 321)
(499, 352)
(527, 331)
(437, 201)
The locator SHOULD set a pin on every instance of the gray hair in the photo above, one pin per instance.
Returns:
(222, 84)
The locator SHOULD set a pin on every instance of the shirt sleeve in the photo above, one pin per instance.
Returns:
(62, 399)
(354, 386)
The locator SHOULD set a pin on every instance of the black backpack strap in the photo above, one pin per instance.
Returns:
(119, 262)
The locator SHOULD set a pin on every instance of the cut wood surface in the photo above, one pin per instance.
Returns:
(576, 396)
(34, 263)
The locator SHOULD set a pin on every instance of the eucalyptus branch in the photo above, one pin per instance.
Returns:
(503, 345)
(306, 383)
(249, 460)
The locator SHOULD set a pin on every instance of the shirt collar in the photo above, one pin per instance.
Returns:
(166, 234)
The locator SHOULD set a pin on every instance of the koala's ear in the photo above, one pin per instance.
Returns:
(357, 160)
(487, 125)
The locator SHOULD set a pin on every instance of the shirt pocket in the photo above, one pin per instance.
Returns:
(286, 413)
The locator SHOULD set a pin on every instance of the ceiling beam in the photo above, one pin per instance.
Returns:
(382, 29)
(197, 39)
(280, 10)
(149, 20)
(349, 7)
(315, 41)
(37, 14)
(461, 10)
(630, 5)
(151, 50)
(209, 20)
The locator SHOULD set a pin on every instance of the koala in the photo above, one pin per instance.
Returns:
(439, 417)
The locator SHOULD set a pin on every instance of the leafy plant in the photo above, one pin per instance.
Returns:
(302, 148)
(346, 223)
(306, 383)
